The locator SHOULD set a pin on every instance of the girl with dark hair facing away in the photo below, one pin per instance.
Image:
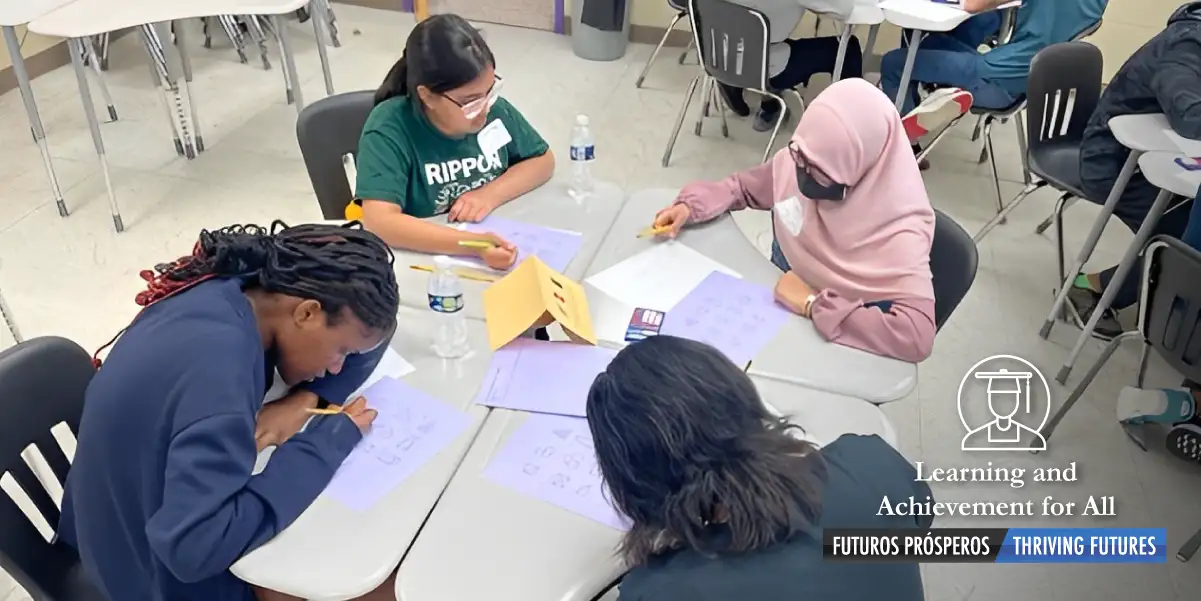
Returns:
(442, 140)
(160, 500)
(727, 502)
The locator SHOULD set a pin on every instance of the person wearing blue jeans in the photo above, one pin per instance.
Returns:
(997, 78)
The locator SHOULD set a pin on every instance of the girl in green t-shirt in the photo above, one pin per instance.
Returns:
(441, 140)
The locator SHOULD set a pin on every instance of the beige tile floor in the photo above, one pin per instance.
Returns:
(75, 277)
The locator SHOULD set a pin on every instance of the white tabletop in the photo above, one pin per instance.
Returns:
(357, 551)
(798, 353)
(548, 206)
(926, 15)
(1144, 133)
(1160, 169)
(484, 541)
(20, 12)
(82, 18)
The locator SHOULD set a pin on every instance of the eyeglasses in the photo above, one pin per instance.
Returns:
(473, 108)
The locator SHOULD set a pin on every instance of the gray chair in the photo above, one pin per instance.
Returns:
(42, 384)
(732, 43)
(1062, 91)
(328, 131)
(681, 9)
(953, 262)
(1169, 323)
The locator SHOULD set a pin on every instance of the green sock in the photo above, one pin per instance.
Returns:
(1082, 282)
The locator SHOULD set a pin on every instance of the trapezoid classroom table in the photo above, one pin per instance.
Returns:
(798, 353)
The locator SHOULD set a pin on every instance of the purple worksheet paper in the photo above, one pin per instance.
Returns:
(410, 429)
(735, 316)
(551, 458)
(556, 248)
(544, 377)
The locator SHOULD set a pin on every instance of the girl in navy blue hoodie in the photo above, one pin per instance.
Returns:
(160, 500)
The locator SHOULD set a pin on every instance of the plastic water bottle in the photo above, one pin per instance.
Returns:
(446, 300)
(582, 155)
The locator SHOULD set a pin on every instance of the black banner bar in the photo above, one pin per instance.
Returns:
(936, 545)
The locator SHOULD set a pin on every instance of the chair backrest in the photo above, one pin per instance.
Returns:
(1061, 93)
(732, 42)
(327, 131)
(42, 384)
(953, 261)
(1170, 308)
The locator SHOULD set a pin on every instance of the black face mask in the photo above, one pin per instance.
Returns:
(811, 188)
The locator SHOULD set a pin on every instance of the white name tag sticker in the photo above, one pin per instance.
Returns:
(492, 138)
(790, 214)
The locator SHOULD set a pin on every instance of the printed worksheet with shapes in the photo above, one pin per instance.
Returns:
(659, 277)
(735, 316)
(411, 428)
(551, 458)
(555, 247)
(543, 377)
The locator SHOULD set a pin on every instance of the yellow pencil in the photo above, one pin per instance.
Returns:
(654, 231)
(466, 274)
(481, 244)
(330, 411)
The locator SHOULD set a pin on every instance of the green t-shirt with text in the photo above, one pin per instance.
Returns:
(404, 159)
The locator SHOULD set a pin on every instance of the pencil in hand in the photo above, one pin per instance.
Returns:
(476, 244)
(654, 231)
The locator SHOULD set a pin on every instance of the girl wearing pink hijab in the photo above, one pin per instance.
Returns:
(853, 225)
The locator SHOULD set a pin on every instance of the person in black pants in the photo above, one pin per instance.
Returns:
(1164, 76)
(806, 58)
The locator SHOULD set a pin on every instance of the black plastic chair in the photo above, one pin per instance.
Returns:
(1169, 322)
(1062, 92)
(681, 8)
(732, 42)
(953, 262)
(42, 384)
(986, 118)
(327, 131)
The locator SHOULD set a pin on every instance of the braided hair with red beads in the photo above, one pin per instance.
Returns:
(342, 267)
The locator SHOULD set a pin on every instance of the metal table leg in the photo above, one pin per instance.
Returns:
(181, 48)
(319, 25)
(75, 49)
(844, 39)
(158, 76)
(6, 313)
(1128, 261)
(1090, 243)
(915, 40)
(31, 110)
(160, 33)
(290, 76)
(872, 32)
(94, 61)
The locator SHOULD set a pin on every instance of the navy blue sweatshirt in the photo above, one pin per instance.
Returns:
(160, 501)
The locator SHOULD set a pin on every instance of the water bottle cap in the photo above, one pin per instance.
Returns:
(581, 119)
(443, 262)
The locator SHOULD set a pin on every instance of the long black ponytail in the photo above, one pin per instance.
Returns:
(443, 52)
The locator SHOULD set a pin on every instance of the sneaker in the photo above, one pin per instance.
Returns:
(1184, 441)
(1082, 302)
(765, 120)
(733, 98)
(941, 108)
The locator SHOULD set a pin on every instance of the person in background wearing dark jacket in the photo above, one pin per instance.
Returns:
(1164, 76)
(160, 500)
(727, 502)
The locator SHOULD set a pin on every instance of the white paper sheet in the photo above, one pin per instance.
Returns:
(657, 278)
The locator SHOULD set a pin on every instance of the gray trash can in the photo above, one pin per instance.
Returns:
(595, 44)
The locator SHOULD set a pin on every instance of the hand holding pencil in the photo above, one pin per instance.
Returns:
(357, 410)
(669, 222)
(496, 252)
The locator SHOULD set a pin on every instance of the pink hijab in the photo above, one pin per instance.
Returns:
(875, 243)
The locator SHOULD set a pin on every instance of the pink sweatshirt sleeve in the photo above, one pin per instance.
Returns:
(748, 188)
(905, 332)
